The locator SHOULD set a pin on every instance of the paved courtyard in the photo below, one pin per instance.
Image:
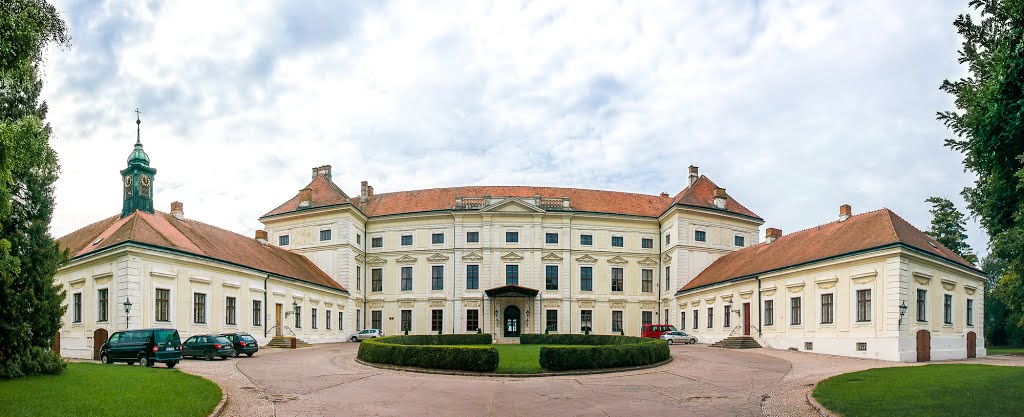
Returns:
(701, 381)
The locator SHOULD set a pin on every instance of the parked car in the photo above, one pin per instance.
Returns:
(656, 330)
(243, 343)
(207, 346)
(678, 336)
(145, 346)
(367, 334)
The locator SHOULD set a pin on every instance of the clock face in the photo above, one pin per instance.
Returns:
(145, 181)
(127, 181)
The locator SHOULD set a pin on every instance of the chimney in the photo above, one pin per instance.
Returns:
(369, 191)
(720, 197)
(458, 201)
(565, 202)
(305, 197)
(536, 199)
(771, 234)
(178, 210)
(364, 191)
(693, 174)
(261, 236)
(664, 194)
(845, 212)
(322, 170)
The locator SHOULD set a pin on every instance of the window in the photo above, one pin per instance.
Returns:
(298, 317)
(726, 317)
(862, 346)
(406, 279)
(437, 238)
(646, 317)
(376, 279)
(199, 308)
(406, 322)
(617, 241)
(769, 312)
(922, 305)
(739, 240)
(808, 345)
(102, 305)
(359, 239)
(970, 312)
(76, 314)
(437, 277)
(586, 321)
(647, 243)
(647, 280)
(257, 313)
(617, 281)
(282, 240)
(947, 309)
(472, 277)
(551, 238)
(341, 320)
(511, 237)
(377, 242)
(406, 240)
(696, 318)
(511, 274)
(682, 320)
(359, 277)
(327, 319)
(436, 320)
(163, 305)
(586, 240)
(472, 320)
(863, 305)
(359, 317)
(711, 316)
(827, 309)
(668, 278)
(668, 239)
(376, 317)
(665, 317)
(700, 236)
(551, 277)
(325, 235)
(551, 321)
(472, 237)
(229, 311)
(794, 311)
(616, 322)
(313, 316)
(586, 278)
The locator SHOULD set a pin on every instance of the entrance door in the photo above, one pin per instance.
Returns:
(746, 319)
(511, 321)
(56, 343)
(972, 345)
(277, 320)
(924, 346)
(98, 338)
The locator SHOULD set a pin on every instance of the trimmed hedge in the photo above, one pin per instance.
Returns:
(596, 351)
(430, 351)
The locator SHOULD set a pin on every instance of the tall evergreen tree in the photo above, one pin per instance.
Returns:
(949, 228)
(989, 124)
(31, 305)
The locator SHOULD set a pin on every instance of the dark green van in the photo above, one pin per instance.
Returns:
(145, 346)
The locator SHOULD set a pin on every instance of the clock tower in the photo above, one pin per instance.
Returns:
(137, 178)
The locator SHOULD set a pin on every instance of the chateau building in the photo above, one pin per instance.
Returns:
(509, 260)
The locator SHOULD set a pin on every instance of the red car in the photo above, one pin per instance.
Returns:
(655, 331)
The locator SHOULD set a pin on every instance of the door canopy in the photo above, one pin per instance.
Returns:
(511, 291)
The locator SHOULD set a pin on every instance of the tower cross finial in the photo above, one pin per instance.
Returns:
(138, 127)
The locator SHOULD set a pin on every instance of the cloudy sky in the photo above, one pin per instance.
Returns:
(795, 108)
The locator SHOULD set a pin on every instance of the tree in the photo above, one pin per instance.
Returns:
(989, 125)
(949, 228)
(30, 304)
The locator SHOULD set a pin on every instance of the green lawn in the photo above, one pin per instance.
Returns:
(1005, 350)
(930, 390)
(518, 359)
(87, 389)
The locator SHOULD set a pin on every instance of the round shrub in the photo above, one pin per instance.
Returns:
(433, 351)
(597, 351)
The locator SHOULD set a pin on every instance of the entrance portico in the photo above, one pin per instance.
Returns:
(512, 309)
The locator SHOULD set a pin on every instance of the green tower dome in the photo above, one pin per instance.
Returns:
(138, 156)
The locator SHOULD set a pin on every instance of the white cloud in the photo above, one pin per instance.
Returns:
(795, 108)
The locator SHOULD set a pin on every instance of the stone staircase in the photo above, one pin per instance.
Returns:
(506, 340)
(285, 342)
(737, 342)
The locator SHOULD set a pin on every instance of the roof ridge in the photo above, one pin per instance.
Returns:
(521, 186)
(892, 224)
(835, 221)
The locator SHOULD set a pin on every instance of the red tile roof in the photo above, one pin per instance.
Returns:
(864, 231)
(325, 193)
(189, 236)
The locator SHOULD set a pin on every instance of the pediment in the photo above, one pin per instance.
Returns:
(437, 257)
(360, 257)
(406, 259)
(648, 262)
(586, 259)
(472, 256)
(512, 205)
(512, 257)
(552, 257)
(618, 260)
(666, 258)
(376, 260)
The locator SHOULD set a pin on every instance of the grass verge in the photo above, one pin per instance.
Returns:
(1004, 350)
(87, 389)
(518, 359)
(929, 390)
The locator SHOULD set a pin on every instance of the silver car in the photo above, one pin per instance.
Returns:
(367, 334)
(678, 336)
